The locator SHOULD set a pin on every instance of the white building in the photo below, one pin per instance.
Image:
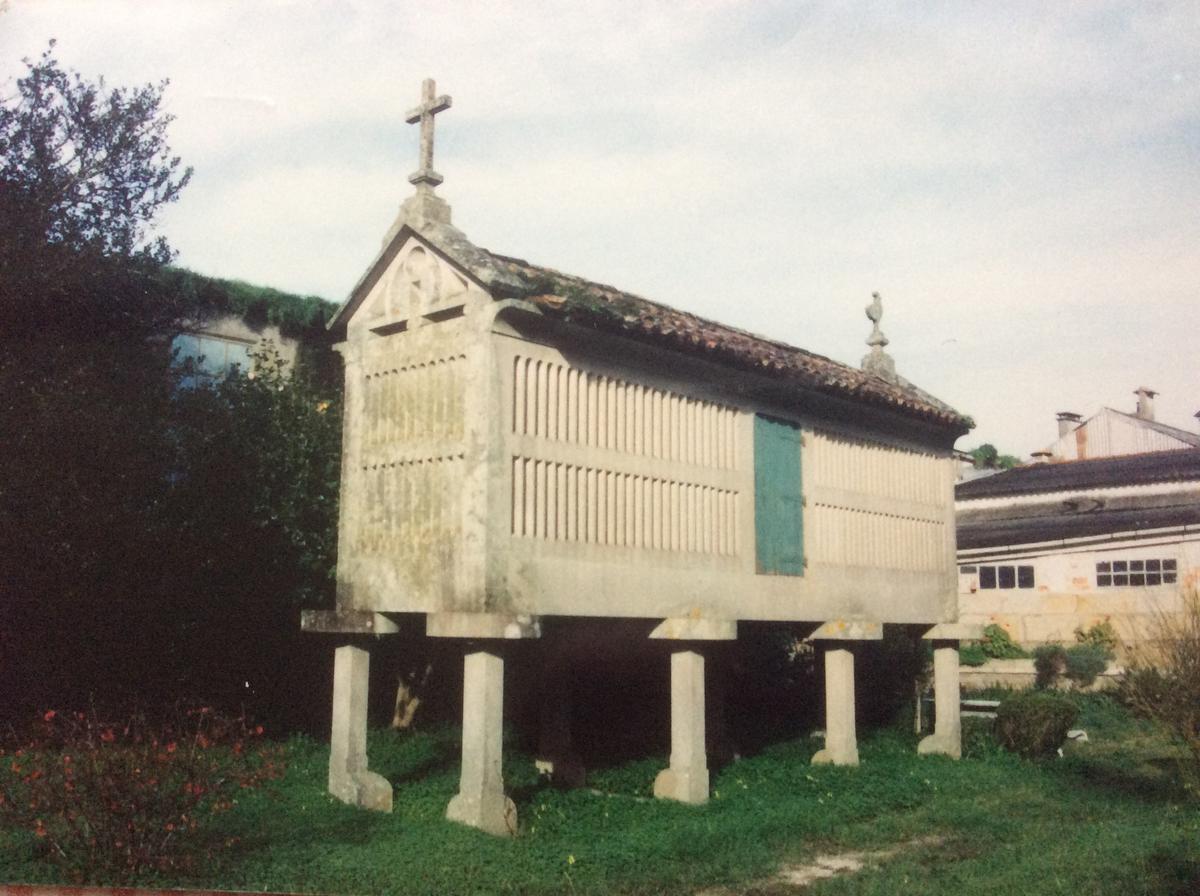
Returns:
(1110, 433)
(1052, 547)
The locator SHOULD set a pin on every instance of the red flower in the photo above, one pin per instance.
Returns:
(50, 714)
(107, 736)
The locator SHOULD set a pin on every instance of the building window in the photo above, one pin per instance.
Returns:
(1004, 577)
(1125, 573)
(211, 357)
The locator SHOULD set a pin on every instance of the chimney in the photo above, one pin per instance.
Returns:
(1067, 421)
(1145, 405)
(1041, 457)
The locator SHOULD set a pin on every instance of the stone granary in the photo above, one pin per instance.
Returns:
(522, 444)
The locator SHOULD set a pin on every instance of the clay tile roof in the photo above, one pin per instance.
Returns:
(605, 308)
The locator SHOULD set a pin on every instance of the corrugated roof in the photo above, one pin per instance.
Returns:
(1101, 472)
(1058, 520)
(1167, 430)
(608, 309)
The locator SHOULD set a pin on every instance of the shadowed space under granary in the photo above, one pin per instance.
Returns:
(595, 692)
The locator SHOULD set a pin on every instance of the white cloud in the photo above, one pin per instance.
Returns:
(1017, 179)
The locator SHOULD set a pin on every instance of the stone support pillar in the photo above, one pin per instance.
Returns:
(947, 727)
(349, 779)
(947, 731)
(841, 741)
(686, 780)
(480, 801)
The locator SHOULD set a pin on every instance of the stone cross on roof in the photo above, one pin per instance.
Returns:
(878, 361)
(431, 105)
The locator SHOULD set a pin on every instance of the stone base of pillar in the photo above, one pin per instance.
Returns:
(493, 812)
(365, 789)
(682, 786)
(936, 744)
(829, 756)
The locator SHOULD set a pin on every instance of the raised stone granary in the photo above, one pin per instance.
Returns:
(522, 444)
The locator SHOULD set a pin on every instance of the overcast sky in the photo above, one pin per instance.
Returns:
(1021, 181)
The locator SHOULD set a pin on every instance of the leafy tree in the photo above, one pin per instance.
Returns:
(84, 366)
(986, 457)
(250, 525)
(155, 541)
(84, 170)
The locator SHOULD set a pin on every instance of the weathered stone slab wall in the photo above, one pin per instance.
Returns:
(1066, 595)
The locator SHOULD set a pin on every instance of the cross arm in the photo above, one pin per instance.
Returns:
(441, 104)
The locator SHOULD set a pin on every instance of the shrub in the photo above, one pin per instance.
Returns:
(1162, 681)
(1102, 635)
(979, 738)
(972, 655)
(998, 644)
(1083, 662)
(1049, 662)
(1034, 724)
(112, 802)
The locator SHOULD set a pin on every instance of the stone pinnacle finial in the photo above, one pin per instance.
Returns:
(424, 206)
(877, 361)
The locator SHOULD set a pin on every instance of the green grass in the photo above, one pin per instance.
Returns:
(1110, 817)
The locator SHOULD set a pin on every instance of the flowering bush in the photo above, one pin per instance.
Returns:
(113, 801)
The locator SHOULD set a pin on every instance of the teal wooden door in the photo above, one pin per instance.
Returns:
(778, 504)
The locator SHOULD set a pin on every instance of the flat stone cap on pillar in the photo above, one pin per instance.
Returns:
(483, 625)
(685, 628)
(847, 630)
(954, 631)
(346, 622)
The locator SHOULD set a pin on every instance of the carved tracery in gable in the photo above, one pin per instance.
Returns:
(417, 284)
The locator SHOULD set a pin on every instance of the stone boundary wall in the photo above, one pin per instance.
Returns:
(1020, 674)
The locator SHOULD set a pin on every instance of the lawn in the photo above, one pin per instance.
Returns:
(1109, 817)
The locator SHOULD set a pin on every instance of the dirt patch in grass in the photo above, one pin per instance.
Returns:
(797, 876)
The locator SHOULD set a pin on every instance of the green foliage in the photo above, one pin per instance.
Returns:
(1100, 822)
(84, 170)
(302, 317)
(85, 381)
(1081, 663)
(117, 801)
(157, 543)
(972, 655)
(255, 481)
(1162, 681)
(986, 457)
(1034, 724)
(979, 739)
(1049, 662)
(1084, 663)
(1101, 635)
(998, 644)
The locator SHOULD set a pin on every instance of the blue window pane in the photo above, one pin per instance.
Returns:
(238, 355)
(185, 346)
